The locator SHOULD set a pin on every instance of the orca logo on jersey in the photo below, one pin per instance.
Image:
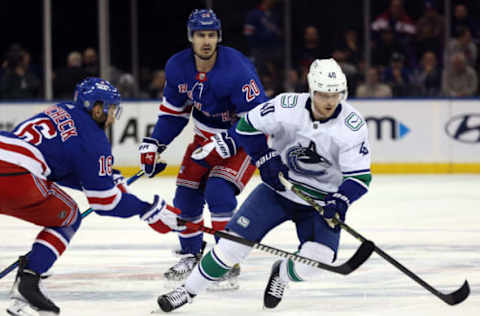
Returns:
(306, 160)
(464, 128)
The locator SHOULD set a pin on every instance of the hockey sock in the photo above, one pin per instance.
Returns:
(191, 238)
(294, 271)
(50, 243)
(215, 264)
(190, 202)
(221, 200)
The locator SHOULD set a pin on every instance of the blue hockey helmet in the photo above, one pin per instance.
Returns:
(203, 19)
(93, 90)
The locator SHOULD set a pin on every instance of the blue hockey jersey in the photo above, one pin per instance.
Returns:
(214, 99)
(65, 145)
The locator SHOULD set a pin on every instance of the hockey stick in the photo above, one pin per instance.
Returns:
(360, 256)
(453, 298)
(14, 265)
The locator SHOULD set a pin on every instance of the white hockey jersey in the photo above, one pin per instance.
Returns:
(320, 155)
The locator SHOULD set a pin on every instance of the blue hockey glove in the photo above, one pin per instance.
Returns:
(336, 205)
(162, 217)
(220, 146)
(270, 165)
(150, 150)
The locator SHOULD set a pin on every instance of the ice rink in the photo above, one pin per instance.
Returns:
(430, 223)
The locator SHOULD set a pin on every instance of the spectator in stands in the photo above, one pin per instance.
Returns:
(269, 85)
(428, 77)
(463, 44)
(351, 46)
(264, 33)
(373, 88)
(126, 86)
(430, 30)
(293, 81)
(458, 78)
(311, 50)
(66, 78)
(461, 19)
(155, 89)
(18, 82)
(90, 62)
(396, 19)
(348, 68)
(384, 49)
(398, 76)
(92, 66)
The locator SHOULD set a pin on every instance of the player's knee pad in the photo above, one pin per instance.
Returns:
(313, 250)
(221, 200)
(190, 202)
(229, 252)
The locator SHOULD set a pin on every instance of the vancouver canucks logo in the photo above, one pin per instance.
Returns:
(306, 160)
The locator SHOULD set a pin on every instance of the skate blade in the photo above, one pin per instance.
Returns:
(45, 313)
(21, 308)
(223, 286)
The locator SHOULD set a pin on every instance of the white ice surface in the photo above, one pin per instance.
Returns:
(431, 224)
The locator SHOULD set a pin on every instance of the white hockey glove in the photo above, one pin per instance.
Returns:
(120, 181)
(150, 150)
(162, 217)
(220, 146)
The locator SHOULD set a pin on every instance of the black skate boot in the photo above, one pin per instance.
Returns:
(181, 270)
(27, 293)
(174, 299)
(275, 287)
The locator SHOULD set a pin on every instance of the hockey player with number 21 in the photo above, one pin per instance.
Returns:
(65, 144)
(319, 143)
(215, 85)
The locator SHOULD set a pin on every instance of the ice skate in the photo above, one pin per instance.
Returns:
(182, 269)
(28, 296)
(174, 299)
(228, 282)
(275, 287)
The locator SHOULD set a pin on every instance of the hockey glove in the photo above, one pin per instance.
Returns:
(220, 146)
(150, 150)
(336, 205)
(120, 181)
(162, 217)
(270, 166)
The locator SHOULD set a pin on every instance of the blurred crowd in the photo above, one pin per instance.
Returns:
(409, 58)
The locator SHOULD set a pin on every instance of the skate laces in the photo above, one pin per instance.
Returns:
(179, 297)
(277, 287)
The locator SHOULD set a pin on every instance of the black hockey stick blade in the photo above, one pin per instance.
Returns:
(361, 255)
(456, 297)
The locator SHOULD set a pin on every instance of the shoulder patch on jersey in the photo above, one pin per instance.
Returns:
(288, 101)
(354, 121)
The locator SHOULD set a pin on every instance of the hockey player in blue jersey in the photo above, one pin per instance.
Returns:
(215, 85)
(319, 142)
(65, 145)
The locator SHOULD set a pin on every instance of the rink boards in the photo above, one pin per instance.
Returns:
(406, 136)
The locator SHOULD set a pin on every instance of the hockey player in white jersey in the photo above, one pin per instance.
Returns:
(319, 143)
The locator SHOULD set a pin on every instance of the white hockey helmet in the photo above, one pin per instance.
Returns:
(326, 76)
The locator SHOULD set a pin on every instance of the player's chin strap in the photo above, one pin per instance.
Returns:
(14, 265)
(453, 298)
